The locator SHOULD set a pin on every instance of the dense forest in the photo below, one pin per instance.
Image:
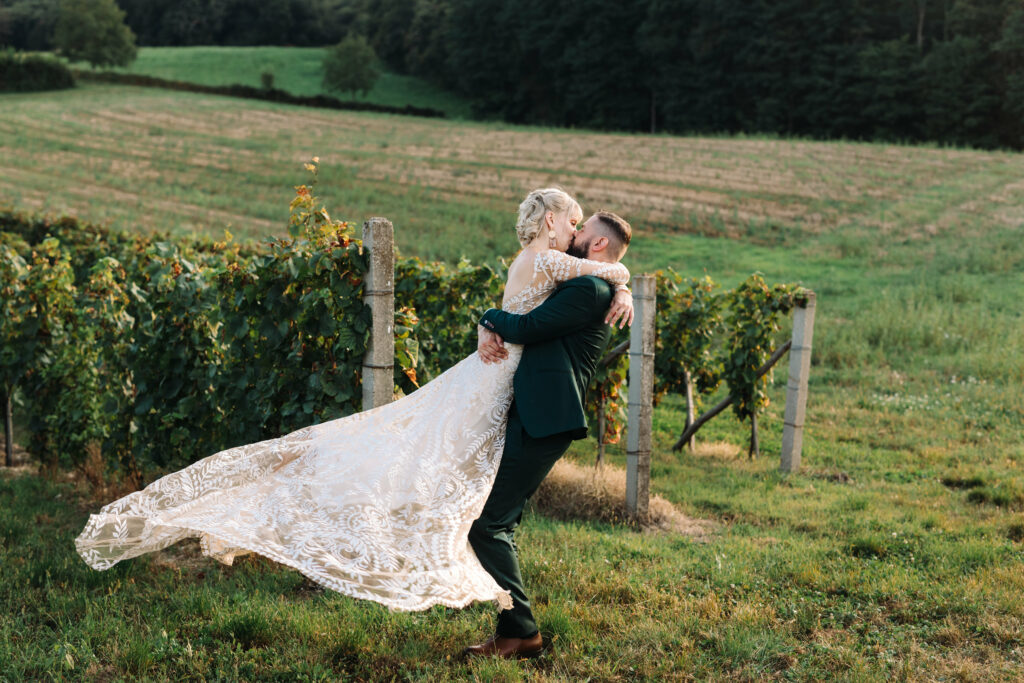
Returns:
(950, 71)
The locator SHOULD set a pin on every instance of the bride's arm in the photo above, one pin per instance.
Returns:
(561, 267)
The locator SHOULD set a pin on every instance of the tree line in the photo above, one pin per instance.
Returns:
(949, 71)
(30, 24)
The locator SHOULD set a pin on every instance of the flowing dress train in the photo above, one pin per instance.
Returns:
(376, 505)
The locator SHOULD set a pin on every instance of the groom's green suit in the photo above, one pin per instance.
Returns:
(564, 338)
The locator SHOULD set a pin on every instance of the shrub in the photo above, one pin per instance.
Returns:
(350, 66)
(21, 72)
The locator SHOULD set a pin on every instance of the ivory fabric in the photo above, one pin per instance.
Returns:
(377, 505)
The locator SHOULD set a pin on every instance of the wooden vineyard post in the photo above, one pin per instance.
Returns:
(8, 430)
(690, 414)
(796, 387)
(641, 397)
(379, 295)
(755, 445)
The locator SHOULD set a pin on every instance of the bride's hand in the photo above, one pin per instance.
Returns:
(621, 309)
(490, 346)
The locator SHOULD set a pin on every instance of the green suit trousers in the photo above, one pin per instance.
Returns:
(524, 464)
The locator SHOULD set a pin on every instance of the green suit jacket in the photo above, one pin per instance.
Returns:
(564, 339)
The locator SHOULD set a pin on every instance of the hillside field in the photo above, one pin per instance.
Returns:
(297, 70)
(898, 552)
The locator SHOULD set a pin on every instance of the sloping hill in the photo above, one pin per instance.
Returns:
(897, 552)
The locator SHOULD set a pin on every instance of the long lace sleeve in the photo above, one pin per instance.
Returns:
(559, 267)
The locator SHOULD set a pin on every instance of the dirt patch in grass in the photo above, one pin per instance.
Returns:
(185, 554)
(23, 464)
(715, 450)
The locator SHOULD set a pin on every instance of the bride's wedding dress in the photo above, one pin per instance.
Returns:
(376, 505)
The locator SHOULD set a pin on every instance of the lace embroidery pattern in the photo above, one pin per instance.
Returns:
(551, 267)
(376, 505)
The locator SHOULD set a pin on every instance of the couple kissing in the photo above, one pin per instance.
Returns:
(416, 503)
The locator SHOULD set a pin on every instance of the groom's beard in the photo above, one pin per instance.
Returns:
(577, 249)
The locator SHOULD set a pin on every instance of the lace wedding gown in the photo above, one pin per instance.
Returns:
(376, 505)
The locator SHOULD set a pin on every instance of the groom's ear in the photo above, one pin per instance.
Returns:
(599, 244)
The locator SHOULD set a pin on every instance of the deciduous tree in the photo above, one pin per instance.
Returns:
(351, 66)
(94, 31)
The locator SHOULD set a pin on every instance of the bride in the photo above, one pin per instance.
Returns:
(377, 505)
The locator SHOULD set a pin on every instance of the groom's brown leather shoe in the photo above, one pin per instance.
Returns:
(509, 648)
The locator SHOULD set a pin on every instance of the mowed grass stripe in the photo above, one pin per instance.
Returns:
(719, 185)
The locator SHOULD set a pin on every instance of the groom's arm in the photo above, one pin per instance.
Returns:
(576, 304)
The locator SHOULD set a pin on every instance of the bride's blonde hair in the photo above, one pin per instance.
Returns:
(537, 204)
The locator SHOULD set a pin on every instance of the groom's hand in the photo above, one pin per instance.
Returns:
(490, 346)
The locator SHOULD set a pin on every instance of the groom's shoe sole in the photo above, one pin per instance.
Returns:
(536, 654)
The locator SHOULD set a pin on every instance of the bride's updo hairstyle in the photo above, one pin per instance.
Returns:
(535, 207)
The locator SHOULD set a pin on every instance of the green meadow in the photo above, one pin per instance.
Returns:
(896, 553)
(297, 70)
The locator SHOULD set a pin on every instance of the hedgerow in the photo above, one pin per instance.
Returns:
(20, 72)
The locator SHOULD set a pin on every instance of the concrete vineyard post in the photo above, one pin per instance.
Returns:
(796, 387)
(641, 397)
(379, 295)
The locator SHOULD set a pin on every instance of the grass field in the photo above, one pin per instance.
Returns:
(896, 554)
(296, 69)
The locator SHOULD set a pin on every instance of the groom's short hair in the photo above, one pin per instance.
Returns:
(617, 230)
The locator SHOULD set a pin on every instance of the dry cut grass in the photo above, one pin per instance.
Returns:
(151, 159)
(574, 492)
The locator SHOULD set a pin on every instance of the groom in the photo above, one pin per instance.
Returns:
(564, 338)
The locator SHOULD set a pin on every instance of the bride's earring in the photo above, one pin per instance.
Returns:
(551, 239)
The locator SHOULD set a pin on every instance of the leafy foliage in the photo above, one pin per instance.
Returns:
(85, 386)
(94, 31)
(689, 316)
(160, 353)
(607, 394)
(703, 336)
(446, 301)
(29, 73)
(350, 66)
(1010, 51)
(36, 284)
(752, 319)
